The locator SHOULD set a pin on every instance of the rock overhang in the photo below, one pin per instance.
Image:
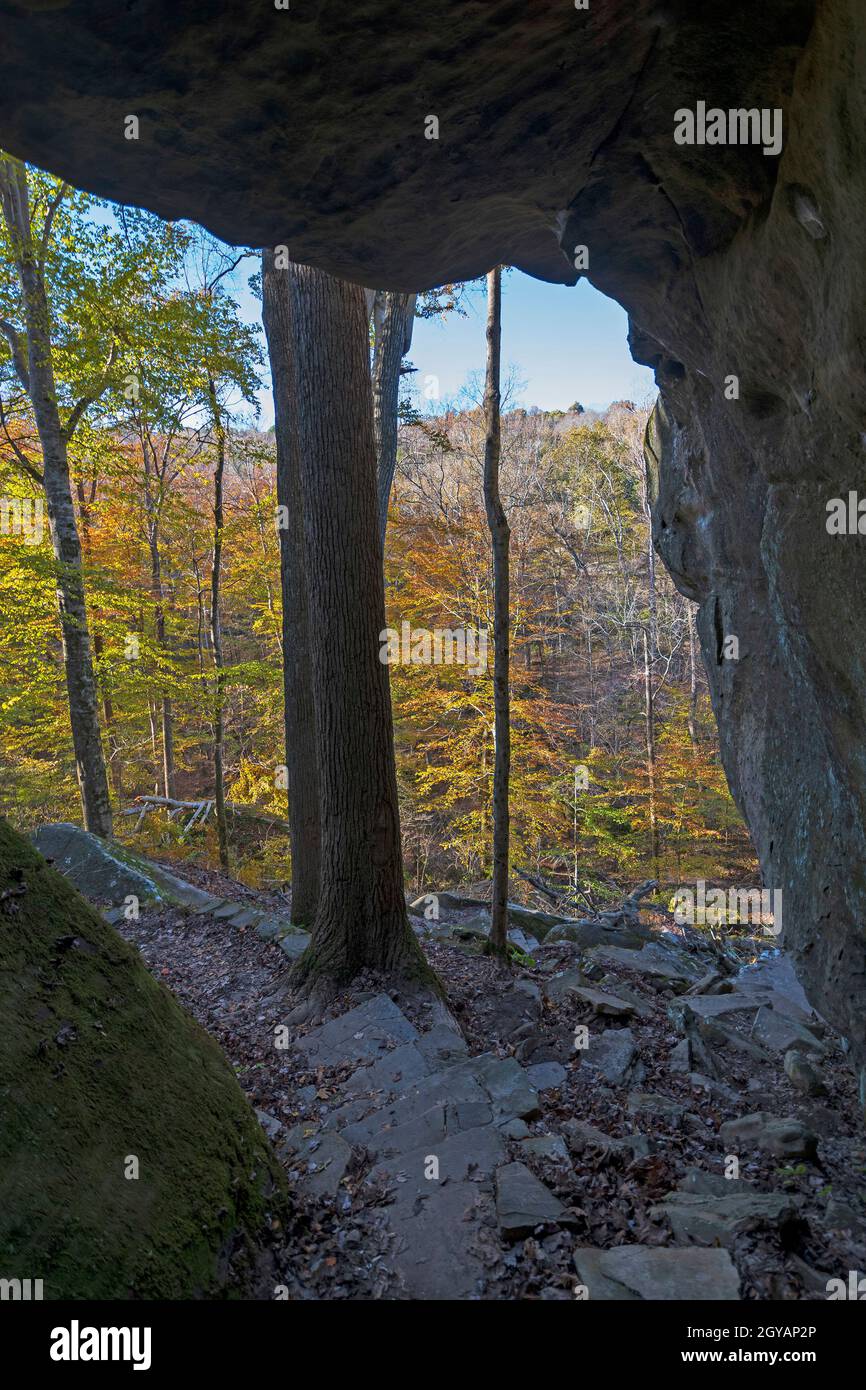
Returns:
(309, 126)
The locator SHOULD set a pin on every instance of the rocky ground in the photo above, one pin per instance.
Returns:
(628, 1112)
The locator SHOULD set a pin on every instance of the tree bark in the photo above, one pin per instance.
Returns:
(166, 715)
(300, 716)
(650, 655)
(649, 728)
(652, 602)
(393, 314)
(216, 629)
(361, 920)
(40, 385)
(115, 760)
(153, 504)
(693, 677)
(500, 537)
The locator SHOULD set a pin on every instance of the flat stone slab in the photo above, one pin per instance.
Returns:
(701, 1183)
(782, 1137)
(207, 905)
(779, 1033)
(361, 1035)
(551, 1147)
(398, 1072)
(246, 916)
(644, 1272)
(777, 974)
(226, 911)
(706, 1219)
(294, 943)
(429, 1129)
(511, 1093)
(434, 1242)
(612, 1054)
(586, 933)
(558, 987)
(523, 1203)
(497, 1087)
(392, 1074)
(614, 984)
(716, 1005)
(452, 1088)
(546, 1076)
(606, 1005)
(321, 1159)
(715, 1036)
(654, 961)
(443, 1042)
(432, 1216)
(272, 927)
(471, 1155)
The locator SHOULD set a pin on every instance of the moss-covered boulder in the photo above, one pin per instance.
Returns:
(102, 1074)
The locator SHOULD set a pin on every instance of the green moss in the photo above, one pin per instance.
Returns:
(99, 1062)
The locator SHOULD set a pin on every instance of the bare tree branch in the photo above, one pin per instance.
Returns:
(24, 462)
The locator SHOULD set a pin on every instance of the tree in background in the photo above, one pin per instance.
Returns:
(392, 319)
(60, 322)
(500, 538)
(191, 350)
(581, 803)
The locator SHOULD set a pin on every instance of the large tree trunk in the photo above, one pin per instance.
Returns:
(300, 717)
(41, 388)
(216, 630)
(361, 919)
(392, 317)
(500, 537)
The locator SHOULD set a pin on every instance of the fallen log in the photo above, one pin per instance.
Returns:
(143, 804)
(557, 897)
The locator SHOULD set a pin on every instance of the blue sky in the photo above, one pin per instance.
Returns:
(559, 344)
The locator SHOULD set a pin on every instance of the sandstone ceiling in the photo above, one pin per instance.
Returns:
(306, 126)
